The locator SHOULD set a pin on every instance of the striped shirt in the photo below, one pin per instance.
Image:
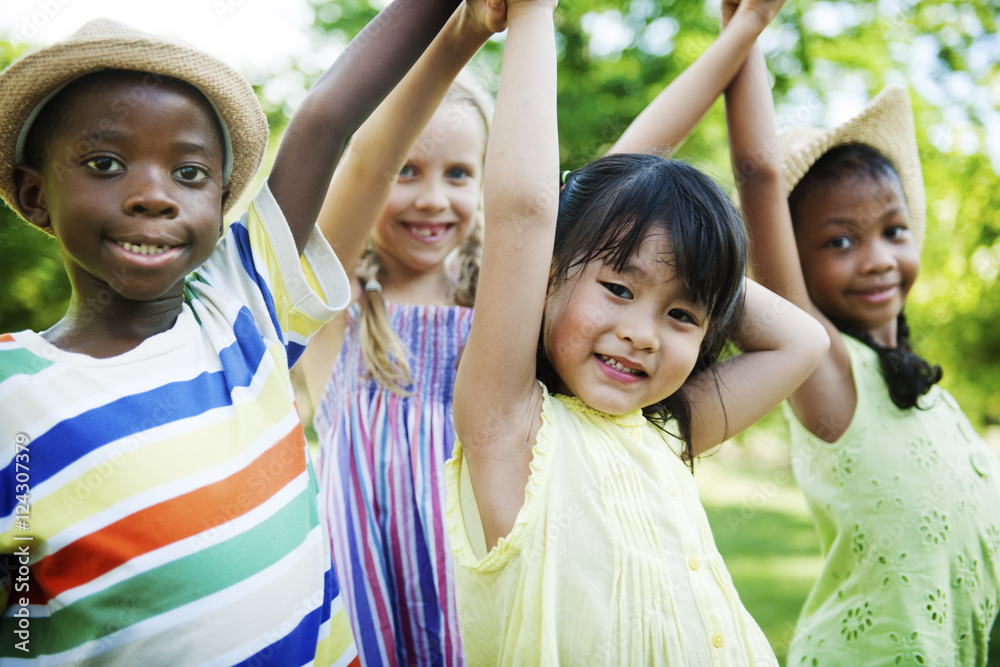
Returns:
(160, 507)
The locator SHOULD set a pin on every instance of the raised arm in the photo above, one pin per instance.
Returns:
(825, 402)
(363, 180)
(780, 346)
(341, 99)
(497, 401)
(671, 117)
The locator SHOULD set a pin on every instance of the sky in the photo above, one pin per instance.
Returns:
(257, 37)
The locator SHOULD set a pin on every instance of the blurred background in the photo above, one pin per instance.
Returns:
(827, 59)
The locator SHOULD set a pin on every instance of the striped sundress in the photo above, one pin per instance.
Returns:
(381, 468)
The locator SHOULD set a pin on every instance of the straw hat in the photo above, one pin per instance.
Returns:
(31, 81)
(886, 125)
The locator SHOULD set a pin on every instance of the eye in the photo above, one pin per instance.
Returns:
(407, 171)
(105, 164)
(896, 232)
(191, 173)
(838, 243)
(457, 174)
(619, 291)
(682, 316)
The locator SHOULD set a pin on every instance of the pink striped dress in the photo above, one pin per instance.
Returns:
(381, 468)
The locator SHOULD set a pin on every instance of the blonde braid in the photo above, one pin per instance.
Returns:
(384, 353)
(470, 256)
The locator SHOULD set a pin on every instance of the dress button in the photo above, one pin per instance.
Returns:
(636, 434)
(694, 562)
(672, 489)
(718, 641)
(981, 463)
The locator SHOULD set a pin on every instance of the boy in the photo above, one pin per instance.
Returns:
(157, 503)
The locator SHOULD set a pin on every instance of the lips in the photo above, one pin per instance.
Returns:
(147, 255)
(143, 248)
(621, 367)
(877, 294)
(428, 232)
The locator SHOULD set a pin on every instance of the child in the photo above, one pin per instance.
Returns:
(396, 415)
(384, 415)
(577, 531)
(159, 502)
(901, 488)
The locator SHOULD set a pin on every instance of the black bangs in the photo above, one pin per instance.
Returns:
(608, 208)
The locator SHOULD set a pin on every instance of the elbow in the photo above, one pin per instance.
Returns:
(524, 206)
(819, 341)
(761, 169)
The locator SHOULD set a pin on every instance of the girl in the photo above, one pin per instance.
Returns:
(902, 489)
(588, 375)
(386, 432)
(384, 415)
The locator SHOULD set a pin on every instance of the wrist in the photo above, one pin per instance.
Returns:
(469, 29)
(750, 19)
(527, 10)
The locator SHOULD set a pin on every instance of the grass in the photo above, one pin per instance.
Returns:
(763, 530)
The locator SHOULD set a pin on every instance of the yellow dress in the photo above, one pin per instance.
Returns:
(611, 560)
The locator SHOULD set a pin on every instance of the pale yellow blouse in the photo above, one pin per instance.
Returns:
(611, 560)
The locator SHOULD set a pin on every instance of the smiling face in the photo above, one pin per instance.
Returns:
(624, 340)
(131, 186)
(857, 252)
(434, 202)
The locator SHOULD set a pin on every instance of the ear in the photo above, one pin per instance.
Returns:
(29, 189)
(222, 214)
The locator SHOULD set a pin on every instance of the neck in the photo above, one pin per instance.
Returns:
(886, 336)
(424, 288)
(108, 330)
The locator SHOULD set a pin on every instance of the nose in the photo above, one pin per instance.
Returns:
(432, 196)
(638, 328)
(149, 194)
(878, 257)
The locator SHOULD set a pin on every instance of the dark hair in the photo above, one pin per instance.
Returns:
(53, 116)
(908, 376)
(606, 210)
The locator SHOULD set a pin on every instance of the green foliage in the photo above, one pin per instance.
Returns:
(34, 289)
(614, 57)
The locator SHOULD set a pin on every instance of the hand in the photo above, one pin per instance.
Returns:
(488, 16)
(763, 10)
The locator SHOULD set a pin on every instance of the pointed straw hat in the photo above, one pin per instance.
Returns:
(886, 125)
(102, 44)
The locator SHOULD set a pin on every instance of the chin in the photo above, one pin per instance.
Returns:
(611, 407)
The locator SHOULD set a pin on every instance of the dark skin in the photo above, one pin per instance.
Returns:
(142, 207)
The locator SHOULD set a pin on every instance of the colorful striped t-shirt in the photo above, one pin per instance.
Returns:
(159, 507)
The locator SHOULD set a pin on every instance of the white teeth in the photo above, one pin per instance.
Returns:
(618, 366)
(423, 231)
(144, 248)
